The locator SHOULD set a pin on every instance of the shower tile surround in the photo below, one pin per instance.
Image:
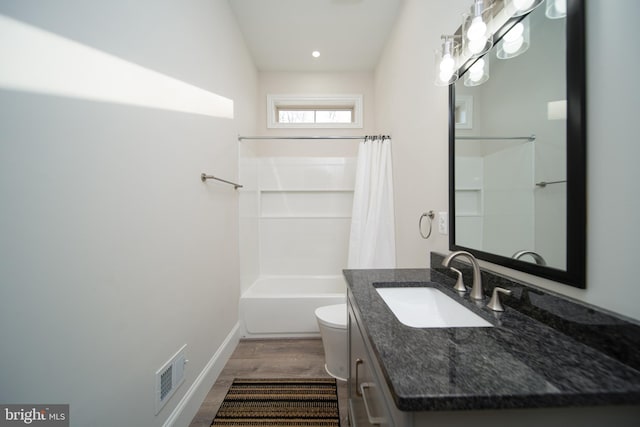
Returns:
(543, 351)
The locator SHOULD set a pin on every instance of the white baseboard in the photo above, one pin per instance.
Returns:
(250, 336)
(188, 406)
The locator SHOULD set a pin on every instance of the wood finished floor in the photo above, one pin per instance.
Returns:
(269, 358)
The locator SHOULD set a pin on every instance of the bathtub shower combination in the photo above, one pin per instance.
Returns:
(295, 222)
(300, 209)
(284, 306)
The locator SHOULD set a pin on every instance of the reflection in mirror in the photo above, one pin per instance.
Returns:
(499, 209)
(511, 141)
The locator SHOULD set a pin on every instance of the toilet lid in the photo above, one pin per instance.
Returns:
(334, 316)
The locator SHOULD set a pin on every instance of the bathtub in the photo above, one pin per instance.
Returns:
(284, 306)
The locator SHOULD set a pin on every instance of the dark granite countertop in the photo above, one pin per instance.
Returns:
(521, 362)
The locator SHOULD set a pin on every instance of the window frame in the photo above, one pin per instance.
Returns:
(314, 102)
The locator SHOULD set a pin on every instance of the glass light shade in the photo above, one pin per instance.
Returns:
(556, 9)
(477, 37)
(478, 73)
(515, 42)
(522, 7)
(446, 62)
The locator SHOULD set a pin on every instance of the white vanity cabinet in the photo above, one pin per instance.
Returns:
(369, 401)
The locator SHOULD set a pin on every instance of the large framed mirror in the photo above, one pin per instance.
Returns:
(517, 157)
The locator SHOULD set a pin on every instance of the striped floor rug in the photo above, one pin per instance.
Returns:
(304, 402)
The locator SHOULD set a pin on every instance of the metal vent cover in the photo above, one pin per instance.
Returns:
(166, 382)
(169, 377)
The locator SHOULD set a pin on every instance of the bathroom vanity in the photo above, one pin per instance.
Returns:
(545, 360)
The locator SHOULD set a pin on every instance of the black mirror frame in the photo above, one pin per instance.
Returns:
(575, 273)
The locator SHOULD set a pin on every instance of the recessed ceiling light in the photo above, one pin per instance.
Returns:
(315, 54)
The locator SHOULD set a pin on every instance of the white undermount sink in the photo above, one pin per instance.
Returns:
(426, 307)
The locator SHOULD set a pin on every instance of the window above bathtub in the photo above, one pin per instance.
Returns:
(314, 111)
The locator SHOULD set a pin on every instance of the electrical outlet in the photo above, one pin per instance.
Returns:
(443, 222)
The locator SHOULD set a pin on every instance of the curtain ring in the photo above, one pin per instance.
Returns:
(429, 215)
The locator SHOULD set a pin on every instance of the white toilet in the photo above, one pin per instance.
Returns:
(332, 321)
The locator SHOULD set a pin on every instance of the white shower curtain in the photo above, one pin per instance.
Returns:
(372, 242)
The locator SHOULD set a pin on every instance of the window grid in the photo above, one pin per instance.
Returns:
(314, 111)
(314, 115)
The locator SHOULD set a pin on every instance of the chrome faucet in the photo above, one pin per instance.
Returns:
(476, 290)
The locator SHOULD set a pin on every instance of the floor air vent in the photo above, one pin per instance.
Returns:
(169, 378)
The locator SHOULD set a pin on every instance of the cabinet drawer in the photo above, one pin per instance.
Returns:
(367, 405)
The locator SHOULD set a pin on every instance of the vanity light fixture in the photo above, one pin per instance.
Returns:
(478, 73)
(446, 62)
(315, 54)
(556, 9)
(515, 42)
(477, 37)
(523, 7)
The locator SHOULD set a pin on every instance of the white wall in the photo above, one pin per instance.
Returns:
(414, 110)
(284, 83)
(113, 253)
(613, 234)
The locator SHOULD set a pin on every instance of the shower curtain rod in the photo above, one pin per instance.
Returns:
(527, 138)
(241, 138)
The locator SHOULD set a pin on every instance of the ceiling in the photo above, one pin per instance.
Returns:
(349, 34)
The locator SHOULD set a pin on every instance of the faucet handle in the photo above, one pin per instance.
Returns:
(459, 286)
(494, 303)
